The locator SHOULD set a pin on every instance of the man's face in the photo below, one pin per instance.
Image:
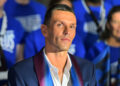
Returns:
(61, 30)
(2, 2)
(115, 23)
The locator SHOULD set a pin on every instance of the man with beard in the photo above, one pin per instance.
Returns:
(91, 16)
(110, 39)
(53, 66)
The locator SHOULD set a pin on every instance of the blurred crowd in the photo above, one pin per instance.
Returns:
(97, 34)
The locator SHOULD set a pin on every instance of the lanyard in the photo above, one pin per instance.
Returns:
(3, 27)
(102, 12)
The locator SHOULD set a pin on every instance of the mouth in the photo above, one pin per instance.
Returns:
(66, 39)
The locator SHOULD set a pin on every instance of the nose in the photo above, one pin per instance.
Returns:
(66, 31)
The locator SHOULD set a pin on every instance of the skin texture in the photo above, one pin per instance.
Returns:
(115, 24)
(23, 2)
(2, 2)
(59, 35)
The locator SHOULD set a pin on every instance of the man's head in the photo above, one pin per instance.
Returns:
(113, 24)
(59, 27)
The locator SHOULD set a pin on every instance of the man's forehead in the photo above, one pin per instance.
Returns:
(62, 13)
(66, 16)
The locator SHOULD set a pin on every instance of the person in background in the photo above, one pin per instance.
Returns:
(11, 38)
(113, 2)
(109, 39)
(35, 41)
(29, 13)
(53, 66)
(91, 16)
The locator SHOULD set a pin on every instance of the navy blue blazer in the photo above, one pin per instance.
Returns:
(24, 74)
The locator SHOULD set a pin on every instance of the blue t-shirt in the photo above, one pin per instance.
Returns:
(77, 47)
(13, 36)
(35, 41)
(31, 15)
(86, 27)
(114, 57)
(113, 2)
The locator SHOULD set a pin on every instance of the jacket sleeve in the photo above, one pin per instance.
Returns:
(14, 79)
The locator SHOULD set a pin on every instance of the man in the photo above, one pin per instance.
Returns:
(11, 35)
(53, 65)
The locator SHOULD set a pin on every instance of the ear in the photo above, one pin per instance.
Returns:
(44, 30)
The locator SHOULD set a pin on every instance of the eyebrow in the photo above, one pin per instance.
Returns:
(64, 23)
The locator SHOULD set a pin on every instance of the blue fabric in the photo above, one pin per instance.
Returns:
(34, 42)
(99, 55)
(31, 15)
(114, 54)
(75, 80)
(48, 77)
(77, 47)
(95, 50)
(113, 2)
(13, 36)
(86, 28)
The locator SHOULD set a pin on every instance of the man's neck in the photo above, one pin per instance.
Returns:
(1, 13)
(22, 2)
(58, 60)
(112, 42)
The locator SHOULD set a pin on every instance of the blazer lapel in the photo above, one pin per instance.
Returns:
(75, 73)
(42, 70)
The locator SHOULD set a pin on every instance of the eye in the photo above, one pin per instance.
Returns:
(72, 27)
(59, 24)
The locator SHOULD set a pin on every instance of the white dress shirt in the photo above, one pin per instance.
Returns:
(54, 72)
